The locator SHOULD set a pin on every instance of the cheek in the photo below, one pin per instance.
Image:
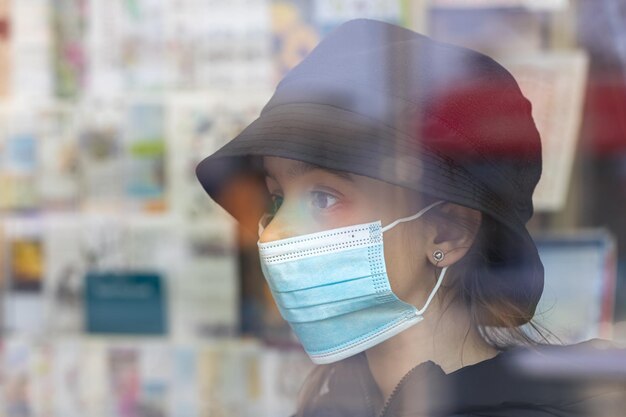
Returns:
(397, 263)
(403, 266)
(346, 213)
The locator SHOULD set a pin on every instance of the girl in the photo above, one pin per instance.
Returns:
(391, 178)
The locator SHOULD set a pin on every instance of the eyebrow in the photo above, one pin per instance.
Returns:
(300, 168)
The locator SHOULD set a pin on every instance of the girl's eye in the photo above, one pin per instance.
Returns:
(322, 200)
(275, 204)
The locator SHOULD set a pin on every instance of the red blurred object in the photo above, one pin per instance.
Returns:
(4, 28)
(605, 113)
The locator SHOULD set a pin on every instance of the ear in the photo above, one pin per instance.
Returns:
(452, 231)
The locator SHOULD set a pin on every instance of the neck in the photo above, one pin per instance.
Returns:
(448, 341)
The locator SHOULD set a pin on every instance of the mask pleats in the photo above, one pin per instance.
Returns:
(323, 270)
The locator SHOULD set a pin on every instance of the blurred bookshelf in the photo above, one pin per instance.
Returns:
(124, 290)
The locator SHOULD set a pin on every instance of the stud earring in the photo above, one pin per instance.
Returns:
(438, 255)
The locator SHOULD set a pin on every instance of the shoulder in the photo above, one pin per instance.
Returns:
(571, 380)
(591, 359)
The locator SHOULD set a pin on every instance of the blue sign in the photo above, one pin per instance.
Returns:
(125, 302)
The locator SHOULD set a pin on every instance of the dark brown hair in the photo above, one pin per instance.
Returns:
(498, 303)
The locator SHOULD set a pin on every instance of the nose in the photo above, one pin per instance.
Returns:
(284, 224)
(275, 231)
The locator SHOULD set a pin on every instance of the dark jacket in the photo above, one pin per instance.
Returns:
(496, 387)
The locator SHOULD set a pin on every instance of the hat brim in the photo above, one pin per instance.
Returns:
(343, 140)
(339, 139)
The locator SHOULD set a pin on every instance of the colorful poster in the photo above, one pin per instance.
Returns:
(32, 72)
(282, 374)
(70, 55)
(94, 389)
(144, 138)
(43, 379)
(222, 378)
(123, 378)
(65, 270)
(531, 4)
(155, 373)
(494, 32)
(331, 13)
(580, 276)
(154, 243)
(26, 262)
(104, 239)
(299, 25)
(4, 284)
(124, 381)
(128, 46)
(58, 179)
(69, 376)
(17, 378)
(18, 168)
(221, 45)
(5, 48)
(26, 258)
(294, 34)
(205, 290)
(199, 125)
(101, 155)
(184, 383)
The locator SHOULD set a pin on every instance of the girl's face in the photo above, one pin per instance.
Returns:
(308, 199)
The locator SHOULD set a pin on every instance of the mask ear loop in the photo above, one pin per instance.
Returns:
(434, 291)
(443, 270)
(413, 217)
(439, 281)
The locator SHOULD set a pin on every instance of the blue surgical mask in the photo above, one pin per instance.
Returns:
(333, 290)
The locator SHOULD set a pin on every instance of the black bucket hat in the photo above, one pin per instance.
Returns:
(382, 101)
